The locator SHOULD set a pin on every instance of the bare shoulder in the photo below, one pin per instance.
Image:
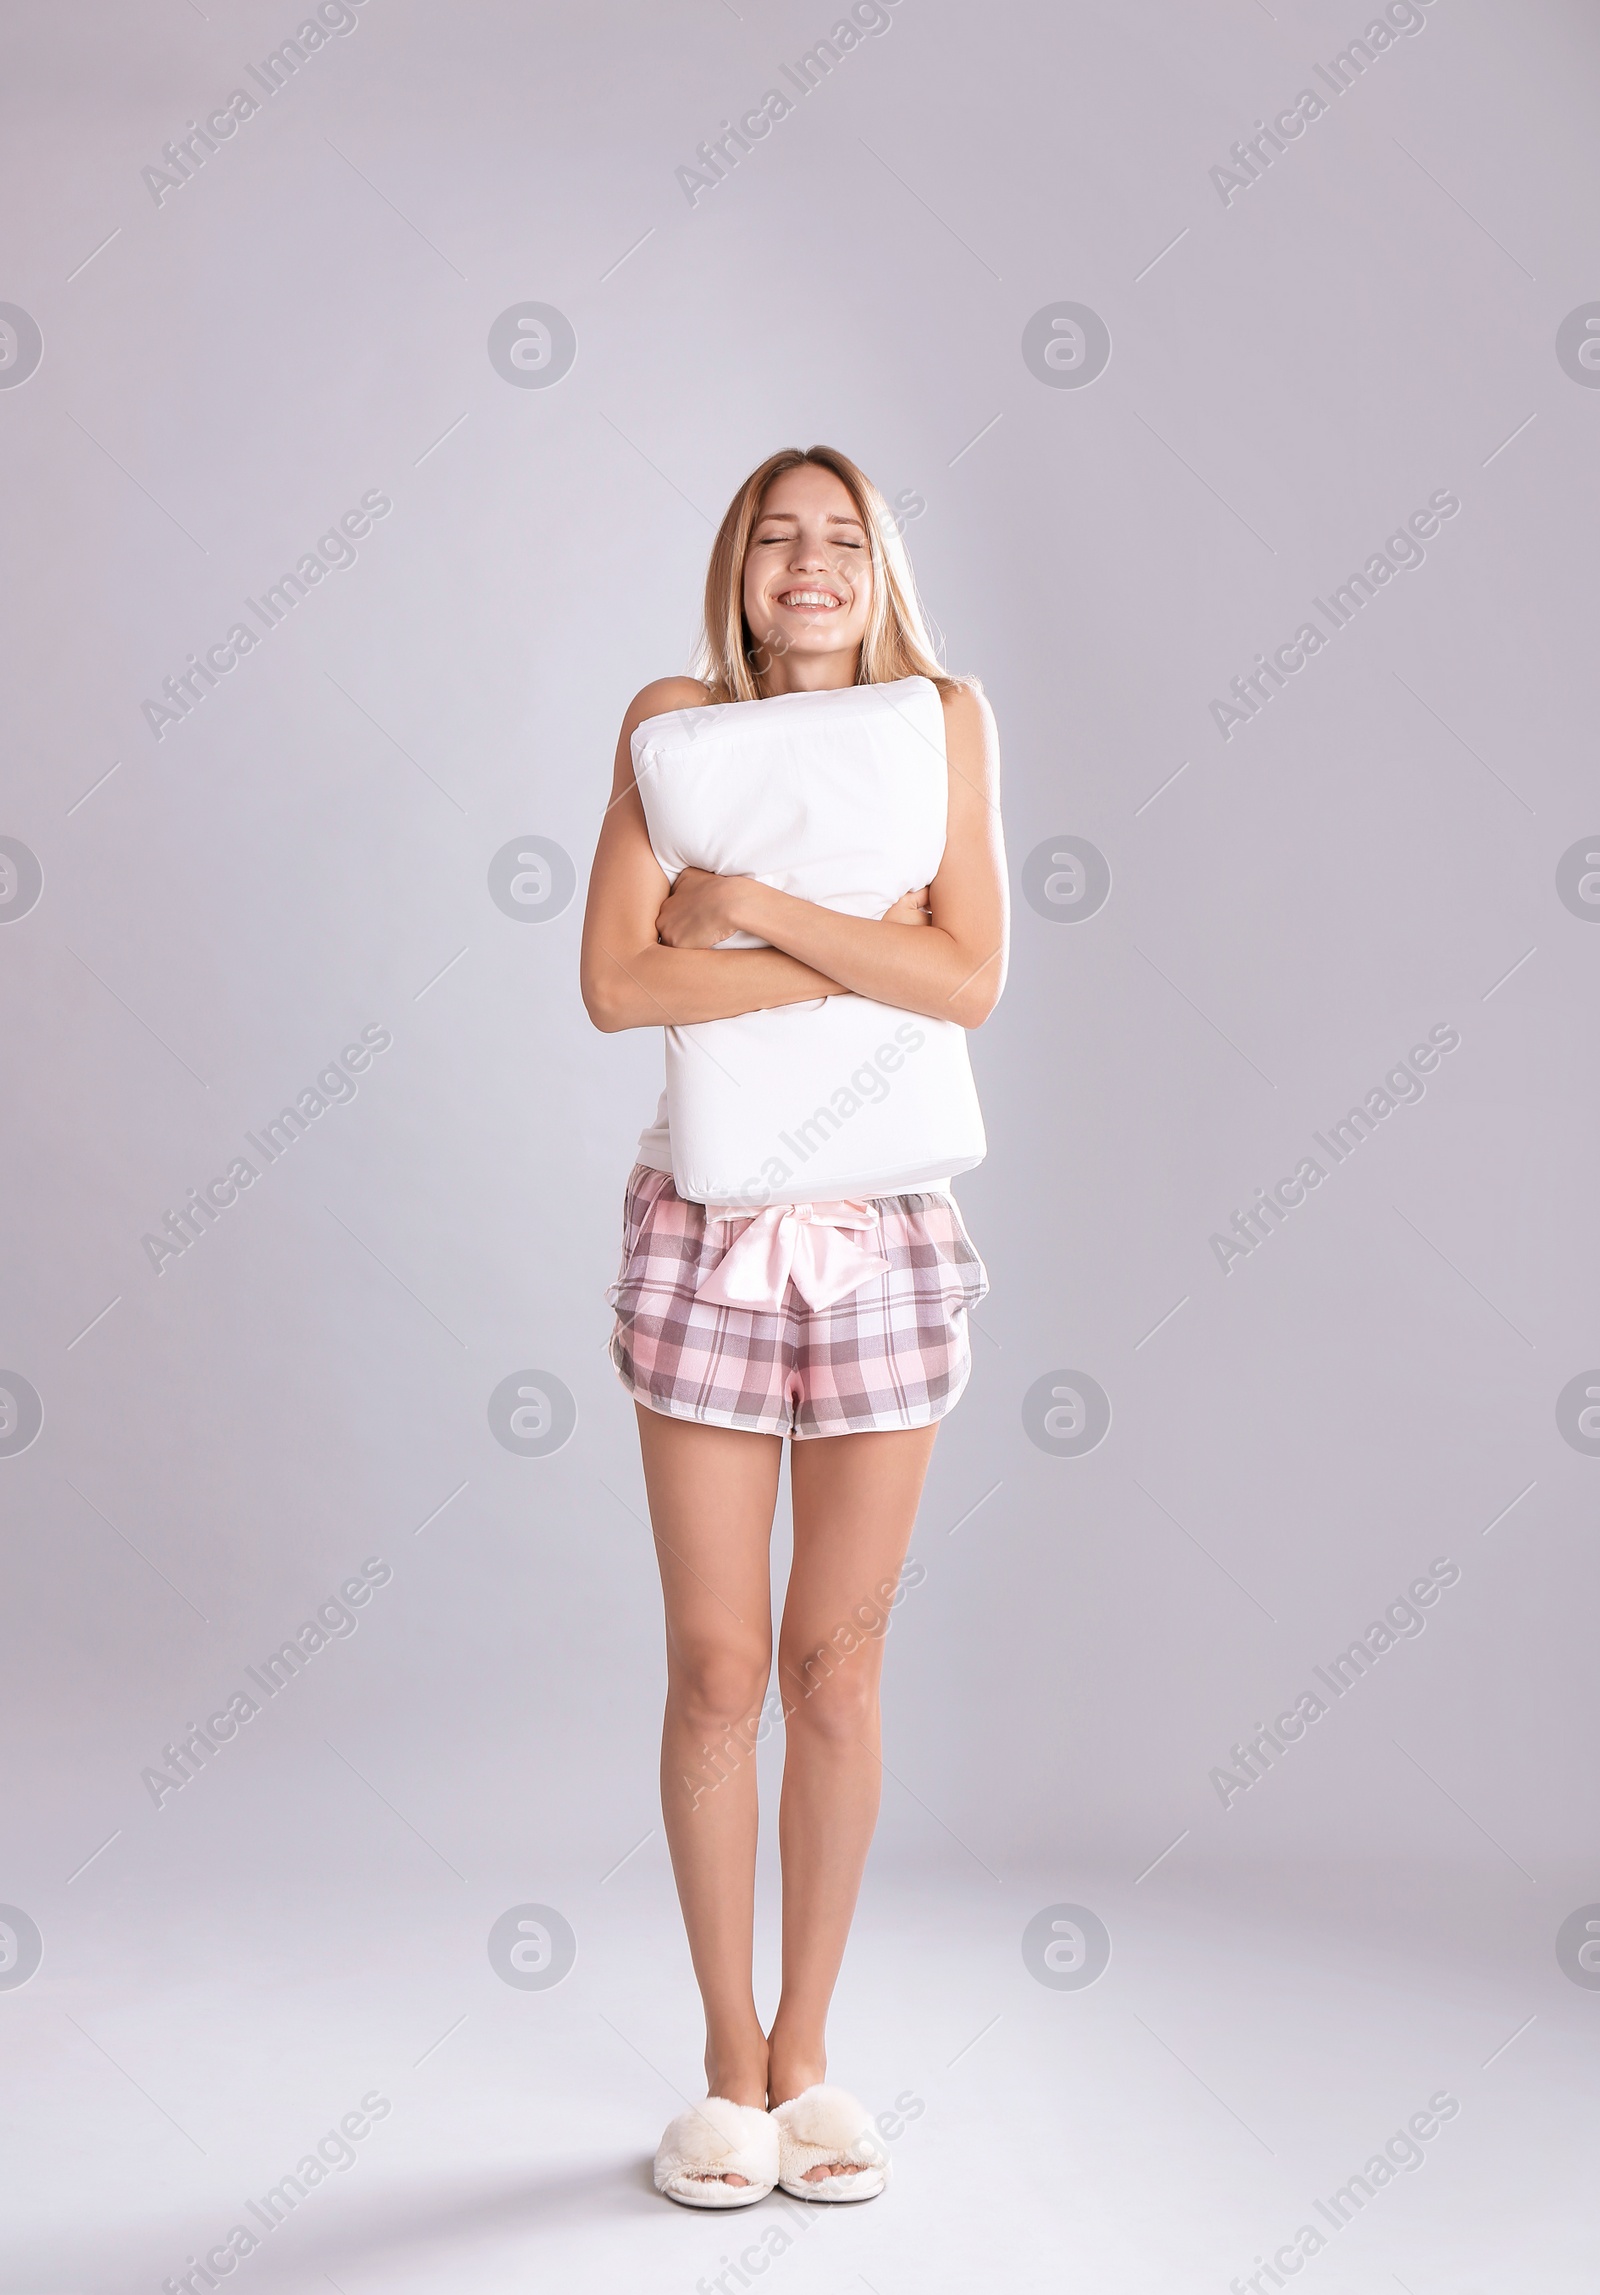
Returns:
(657, 699)
(972, 741)
(661, 696)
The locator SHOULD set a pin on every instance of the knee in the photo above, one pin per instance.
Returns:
(715, 1689)
(830, 1701)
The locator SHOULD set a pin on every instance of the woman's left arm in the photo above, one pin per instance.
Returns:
(956, 970)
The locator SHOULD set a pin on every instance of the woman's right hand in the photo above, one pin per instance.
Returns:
(910, 908)
(630, 978)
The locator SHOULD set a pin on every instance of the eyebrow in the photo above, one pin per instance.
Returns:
(833, 518)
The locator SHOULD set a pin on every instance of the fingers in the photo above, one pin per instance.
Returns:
(911, 908)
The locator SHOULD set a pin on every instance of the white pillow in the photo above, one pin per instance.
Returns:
(841, 798)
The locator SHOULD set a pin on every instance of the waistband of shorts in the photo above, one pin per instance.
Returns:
(649, 1171)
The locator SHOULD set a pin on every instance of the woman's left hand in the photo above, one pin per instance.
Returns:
(698, 912)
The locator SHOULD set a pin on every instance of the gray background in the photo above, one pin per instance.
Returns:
(1292, 1442)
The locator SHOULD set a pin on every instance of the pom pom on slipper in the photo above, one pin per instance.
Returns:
(712, 2140)
(828, 2127)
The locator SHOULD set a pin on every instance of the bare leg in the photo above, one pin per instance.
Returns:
(855, 1500)
(712, 1491)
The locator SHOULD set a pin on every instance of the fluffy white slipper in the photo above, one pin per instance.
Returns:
(712, 2140)
(822, 2125)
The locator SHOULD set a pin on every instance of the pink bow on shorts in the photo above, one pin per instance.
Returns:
(816, 1246)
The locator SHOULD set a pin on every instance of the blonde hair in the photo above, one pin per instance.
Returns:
(896, 642)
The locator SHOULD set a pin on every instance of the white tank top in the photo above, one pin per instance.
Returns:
(840, 798)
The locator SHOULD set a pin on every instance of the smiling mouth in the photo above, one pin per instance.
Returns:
(810, 601)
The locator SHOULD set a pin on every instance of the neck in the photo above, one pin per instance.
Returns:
(815, 673)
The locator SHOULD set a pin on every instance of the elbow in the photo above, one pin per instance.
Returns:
(614, 988)
(604, 1007)
(976, 998)
(973, 1006)
(979, 992)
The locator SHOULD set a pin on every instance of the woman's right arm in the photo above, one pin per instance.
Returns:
(629, 980)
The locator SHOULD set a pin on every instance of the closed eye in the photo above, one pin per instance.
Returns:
(834, 541)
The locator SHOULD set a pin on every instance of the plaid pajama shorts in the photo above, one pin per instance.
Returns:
(893, 1353)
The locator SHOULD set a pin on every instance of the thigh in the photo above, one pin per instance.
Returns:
(712, 1491)
(855, 1502)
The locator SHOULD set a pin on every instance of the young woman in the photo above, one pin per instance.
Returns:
(809, 591)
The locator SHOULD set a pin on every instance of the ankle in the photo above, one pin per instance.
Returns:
(792, 2067)
(738, 2071)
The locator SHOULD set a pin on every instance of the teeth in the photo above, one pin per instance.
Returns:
(807, 598)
